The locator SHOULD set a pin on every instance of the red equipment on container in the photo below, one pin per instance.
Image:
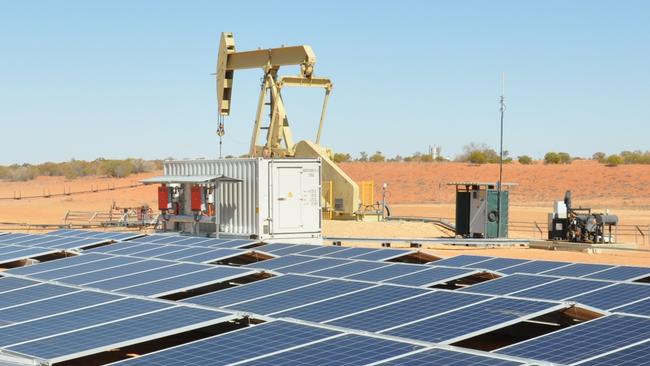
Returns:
(163, 198)
(196, 199)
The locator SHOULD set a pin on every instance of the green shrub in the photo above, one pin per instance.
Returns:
(341, 157)
(525, 159)
(565, 158)
(614, 160)
(599, 157)
(551, 158)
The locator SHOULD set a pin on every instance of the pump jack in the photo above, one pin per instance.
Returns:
(279, 139)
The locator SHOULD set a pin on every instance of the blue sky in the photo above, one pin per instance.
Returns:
(116, 79)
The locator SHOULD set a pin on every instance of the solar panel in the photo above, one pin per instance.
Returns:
(301, 296)
(280, 262)
(214, 255)
(85, 267)
(349, 269)
(499, 263)
(120, 333)
(149, 238)
(12, 283)
(294, 248)
(460, 260)
(312, 266)
(388, 272)
(351, 303)
(71, 301)
(583, 341)
(352, 252)
(578, 269)
(640, 307)
(631, 356)
(114, 247)
(83, 317)
(270, 248)
(350, 349)
(385, 317)
(614, 296)
(89, 278)
(472, 320)
(431, 276)
(254, 290)
(187, 282)
(56, 264)
(148, 276)
(237, 243)
(155, 250)
(25, 253)
(167, 239)
(383, 254)
(509, 284)
(132, 248)
(534, 267)
(324, 251)
(227, 348)
(178, 254)
(32, 293)
(622, 273)
(443, 357)
(562, 289)
(72, 243)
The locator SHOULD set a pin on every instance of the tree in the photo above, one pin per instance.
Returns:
(614, 160)
(341, 158)
(477, 157)
(480, 154)
(599, 156)
(363, 156)
(525, 159)
(377, 157)
(551, 158)
(565, 158)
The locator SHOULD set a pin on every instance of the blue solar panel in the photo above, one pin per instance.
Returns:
(431, 276)
(578, 269)
(149, 238)
(534, 267)
(168, 239)
(641, 307)
(419, 307)
(472, 320)
(383, 254)
(25, 253)
(324, 251)
(11, 283)
(295, 248)
(270, 248)
(32, 293)
(54, 305)
(508, 284)
(622, 273)
(178, 254)
(236, 243)
(385, 273)
(349, 269)
(56, 264)
(186, 282)
(115, 247)
(498, 263)
(345, 350)
(562, 289)
(351, 303)
(460, 260)
(129, 248)
(121, 333)
(85, 267)
(298, 297)
(443, 357)
(614, 296)
(584, 340)
(109, 273)
(312, 266)
(214, 255)
(155, 250)
(280, 262)
(227, 348)
(352, 252)
(631, 356)
(148, 276)
(22, 332)
(254, 290)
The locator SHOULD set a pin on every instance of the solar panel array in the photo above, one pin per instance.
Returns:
(322, 305)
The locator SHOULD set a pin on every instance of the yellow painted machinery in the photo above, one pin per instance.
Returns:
(279, 141)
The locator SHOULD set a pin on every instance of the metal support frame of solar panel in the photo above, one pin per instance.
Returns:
(474, 320)
(584, 341)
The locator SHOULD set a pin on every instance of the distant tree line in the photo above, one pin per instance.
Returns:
(79, 168)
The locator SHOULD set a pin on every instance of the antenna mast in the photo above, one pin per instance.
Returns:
(502, 102)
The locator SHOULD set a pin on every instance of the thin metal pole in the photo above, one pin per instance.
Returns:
(503, 108)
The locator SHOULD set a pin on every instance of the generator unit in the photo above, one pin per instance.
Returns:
(480, 211)
(258, 198)
(578, 224)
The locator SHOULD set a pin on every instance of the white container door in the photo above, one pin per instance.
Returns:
(287, 208)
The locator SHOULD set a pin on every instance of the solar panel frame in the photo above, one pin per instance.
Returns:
(614, 296)
(442, 357)
(56, 264)
(280, 262)
(496, 264)
(173, 270)
(313, 266)
(534, 267)
(85, 268)
(32, 293)
(89, 278)
(349, 269)
(622, 273)
(562, 289)
(26, 253)
(385, 273)
(509, 284)
(640, 307)
(628, 356)
(272, 247)
(295, 249)
(352, 252)
(384, 254)
(577, 270)
(324, 251)
(460, 260)
(432, 276)
(215, 255)
(13, 283)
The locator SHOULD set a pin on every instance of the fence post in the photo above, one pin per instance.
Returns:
(541, 234)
